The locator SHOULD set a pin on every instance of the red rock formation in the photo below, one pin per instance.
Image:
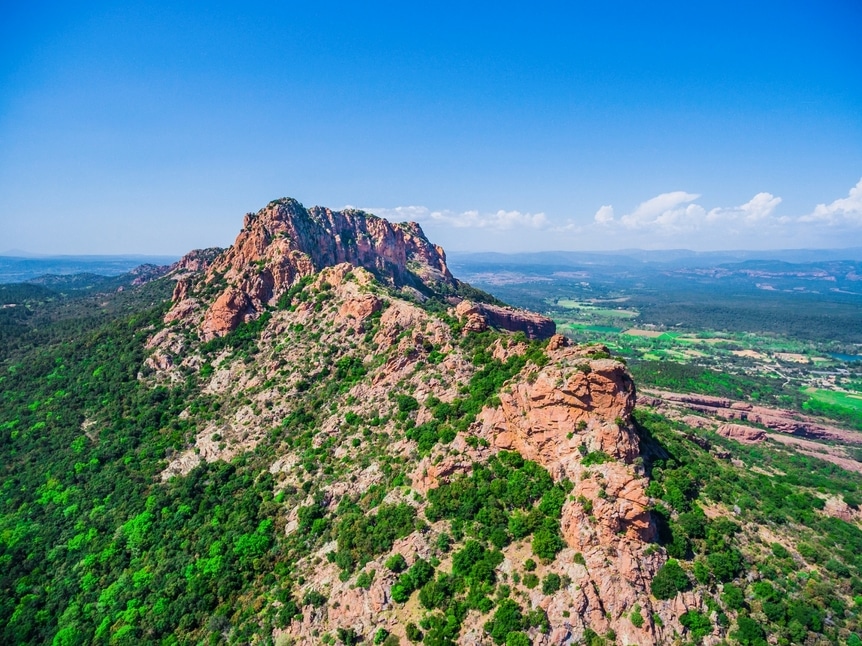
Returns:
(774, 419)
(554, 415)
(284, 242)
(228, 311)
(740, 433)
(196, 260)
(480, 316)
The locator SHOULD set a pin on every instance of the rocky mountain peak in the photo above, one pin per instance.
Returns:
(285, 242)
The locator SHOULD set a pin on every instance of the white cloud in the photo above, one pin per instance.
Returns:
(847, 210)
(677, 212)
(501, 220)
(604, 215)
(662, 211)
(757, 209)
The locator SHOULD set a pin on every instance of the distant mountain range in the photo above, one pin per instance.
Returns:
(17, 266)
(667, 257)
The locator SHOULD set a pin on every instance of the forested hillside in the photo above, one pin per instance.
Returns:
(358, 463)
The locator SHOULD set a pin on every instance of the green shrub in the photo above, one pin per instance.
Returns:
(507, 619)
(365, 579)
(551, 583)
(595, 457)
(396, 563)
(413, 632)
(697, 623)
(517, 639)
(733, 597)
(669, 580)
(780, 551)
(749, 632)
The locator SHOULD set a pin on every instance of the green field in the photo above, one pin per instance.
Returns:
(835, 398)
(591, 310)
(600, 329)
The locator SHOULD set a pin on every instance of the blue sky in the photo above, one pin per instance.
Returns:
(152, 128)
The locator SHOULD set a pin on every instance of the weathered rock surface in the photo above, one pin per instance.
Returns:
(480, 316)
(285, 241)
(740, 433)
(774, 419)
(197, 260)
(230, 309)
(573, 406)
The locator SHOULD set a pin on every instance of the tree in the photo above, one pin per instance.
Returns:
(749, 632)
(669, 580)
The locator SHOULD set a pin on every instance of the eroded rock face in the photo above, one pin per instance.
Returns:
(572, 401)
(197, 260)
(480, 316)
(572, 407)
(228, 311)
(740, 433)
(774, 419)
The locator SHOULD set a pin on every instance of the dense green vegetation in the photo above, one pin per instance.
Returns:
(497, 503)
(688, 378)
(92, 548)
(95, 548)
(807, 585)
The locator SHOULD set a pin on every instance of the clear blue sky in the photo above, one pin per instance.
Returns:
(151, 128)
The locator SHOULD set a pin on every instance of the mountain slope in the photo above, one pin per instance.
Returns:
(352, 460)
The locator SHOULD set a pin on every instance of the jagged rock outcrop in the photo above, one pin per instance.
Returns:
(480, 316)
(285, 241)
(575, 406)
(197, 260)
(230, 309)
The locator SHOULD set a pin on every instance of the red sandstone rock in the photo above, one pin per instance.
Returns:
(360, 308)
(774, 419)
(740, 433)
(284, 242)
(226, 313)
(480, 316)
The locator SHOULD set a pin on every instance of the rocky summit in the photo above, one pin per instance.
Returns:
(284, 242)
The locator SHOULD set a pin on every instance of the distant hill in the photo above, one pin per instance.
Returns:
(15, 268)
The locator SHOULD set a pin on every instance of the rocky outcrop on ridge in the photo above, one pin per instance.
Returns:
(480, 316)
(580, 405)
(285, 242)
(740, 433)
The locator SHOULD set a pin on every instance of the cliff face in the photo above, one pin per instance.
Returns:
(285, 241)
(579, 405)
(481, 316)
